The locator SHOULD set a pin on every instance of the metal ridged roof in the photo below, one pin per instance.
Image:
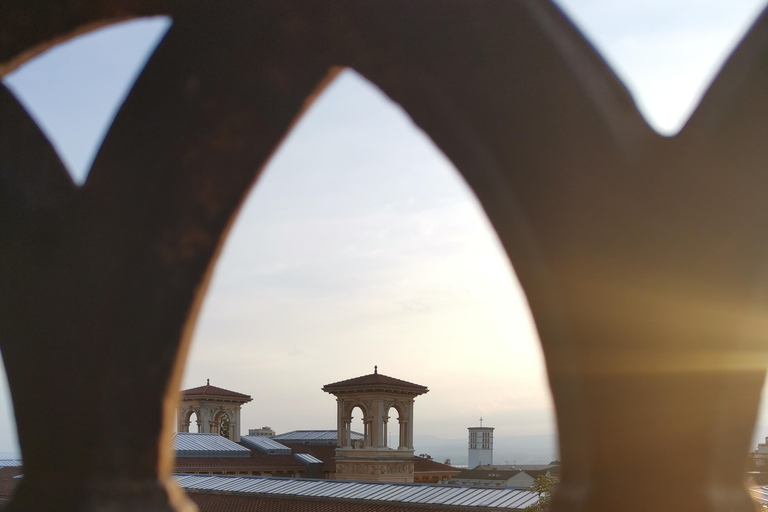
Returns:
(307, 458)
(313, 436)
(265, 445)
(207, 445)
(760, 494)
(4, 463)
(428, 494)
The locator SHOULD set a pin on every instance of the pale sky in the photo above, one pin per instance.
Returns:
(361, 245)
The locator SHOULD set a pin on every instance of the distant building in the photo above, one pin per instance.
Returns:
(321, 454)
(760, 456)
(215, 410)
(520, 477)
(428, 471)
(494, 478)
(553, 467)
(480, 446)
(263, 431)
(218, 451)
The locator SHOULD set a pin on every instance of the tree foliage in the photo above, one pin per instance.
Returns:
(224, 425)
(543, 485)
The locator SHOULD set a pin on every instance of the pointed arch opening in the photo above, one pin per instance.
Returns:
(94, 75)
(362, 238)
(394, 428)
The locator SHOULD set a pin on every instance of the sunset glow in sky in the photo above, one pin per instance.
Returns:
(361, 244)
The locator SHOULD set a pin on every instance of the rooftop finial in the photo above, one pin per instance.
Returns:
(481, 421)
(207, 382)
(376, 369)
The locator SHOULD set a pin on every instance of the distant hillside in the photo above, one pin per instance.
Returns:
(538, 449)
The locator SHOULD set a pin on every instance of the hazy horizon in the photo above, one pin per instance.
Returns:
(362, 245)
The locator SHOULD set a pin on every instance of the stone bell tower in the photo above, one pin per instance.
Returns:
(216, 410)
(369, 458)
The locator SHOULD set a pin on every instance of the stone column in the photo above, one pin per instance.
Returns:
(204, 419)
(368, 436)
(340, 430)
(377, 426)
(180, 421)
(409, 427)
(348, 431)
(235, 428)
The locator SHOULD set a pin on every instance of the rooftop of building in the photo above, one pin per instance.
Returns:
(375, 382)
(8, 481)
(265, 445)
(213, 452)
(487, 474)
(215, 393)
(366, 495)
(206, 445)
(426, 465)
(551, 467)
(760, 494)
(320, 437)
(227, 502)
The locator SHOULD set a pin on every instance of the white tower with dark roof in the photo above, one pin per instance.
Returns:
(480, 446)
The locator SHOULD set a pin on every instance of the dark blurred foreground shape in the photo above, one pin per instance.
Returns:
(643, 258)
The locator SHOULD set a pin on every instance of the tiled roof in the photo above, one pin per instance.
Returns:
(209, 391)
(552, 468)
(487, 474)
(375, 381)
(7, 481)
(423, 465)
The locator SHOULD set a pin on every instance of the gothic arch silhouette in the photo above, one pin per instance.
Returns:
(642, 258)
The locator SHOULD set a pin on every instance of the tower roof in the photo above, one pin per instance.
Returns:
(375, 382)
(215, 393)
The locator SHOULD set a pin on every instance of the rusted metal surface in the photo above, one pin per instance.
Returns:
(643, 258)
